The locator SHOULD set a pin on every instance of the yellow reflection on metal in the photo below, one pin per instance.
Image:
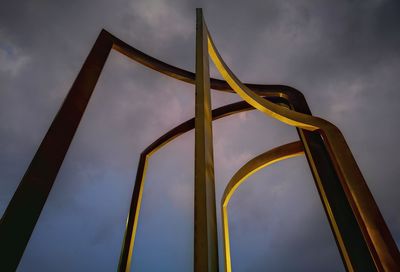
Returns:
(205, 219)
(46, 163)
(227, 110)
(272, 156)
(136, 218)
(357, 192)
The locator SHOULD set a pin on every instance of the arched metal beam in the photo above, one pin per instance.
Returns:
(383, 253)
(23, 211)
(251, 167)
(24, 208)
(342, 218)
(356, 239)
(133, 216)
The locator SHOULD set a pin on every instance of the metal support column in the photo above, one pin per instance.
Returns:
(23, 211)
(205, 225)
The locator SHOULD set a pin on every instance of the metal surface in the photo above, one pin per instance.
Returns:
(205, 218)
(375, 232)
(133, 217)
(251, 167)
(23, 211)
(363, 238)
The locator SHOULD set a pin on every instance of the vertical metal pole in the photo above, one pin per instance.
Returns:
(205, 226)
(23, 211)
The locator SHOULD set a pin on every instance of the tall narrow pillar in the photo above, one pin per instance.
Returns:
(205, 225)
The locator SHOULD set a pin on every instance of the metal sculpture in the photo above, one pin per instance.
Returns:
(251, 167)
(362, 236)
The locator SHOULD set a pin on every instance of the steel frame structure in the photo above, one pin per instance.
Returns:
(362, 237)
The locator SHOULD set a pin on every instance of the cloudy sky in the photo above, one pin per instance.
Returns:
(343, 55)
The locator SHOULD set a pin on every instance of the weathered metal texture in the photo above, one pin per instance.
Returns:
(356, 222)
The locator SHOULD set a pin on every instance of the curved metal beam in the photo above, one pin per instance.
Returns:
(381, 245)
(23, 211)
(366, 220)
(337, 207)
(24, 208)
(133, 216)
(270, 90)
(251, 167)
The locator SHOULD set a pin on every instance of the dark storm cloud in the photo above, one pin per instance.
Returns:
(344, 56)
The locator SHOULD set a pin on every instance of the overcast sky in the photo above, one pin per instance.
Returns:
(343, 55)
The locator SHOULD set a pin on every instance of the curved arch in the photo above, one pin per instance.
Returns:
(263, 160)
(374, 230)
(270, 90)
(26, 204)
(133, 216)
(381, 245)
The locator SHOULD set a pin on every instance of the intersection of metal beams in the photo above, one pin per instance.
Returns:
(362, 236)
